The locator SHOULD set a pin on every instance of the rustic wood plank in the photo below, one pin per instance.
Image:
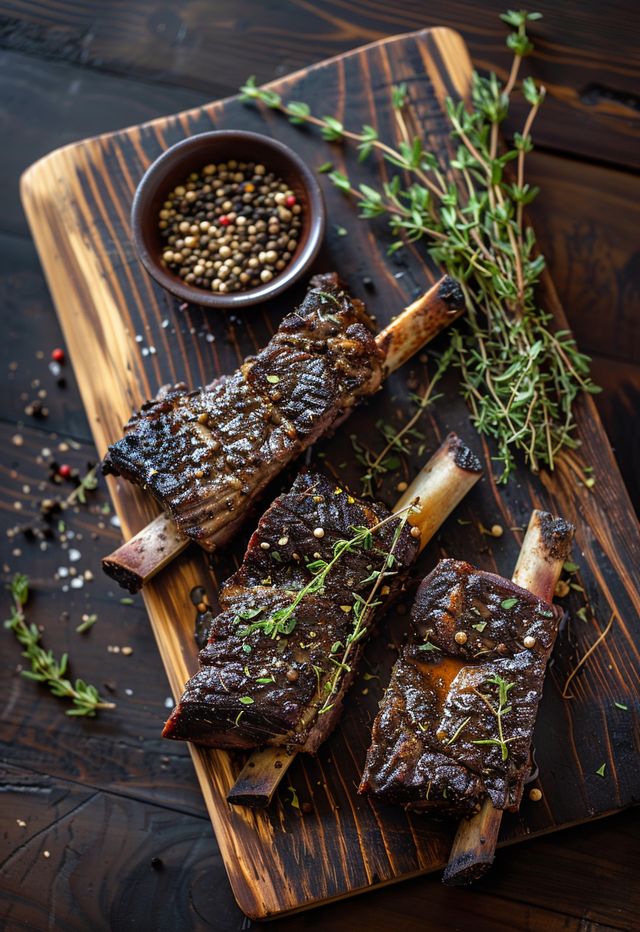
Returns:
(104, 299)
(618, 406)
(586, 52)
(589, 233)
(47, 104)
(115, 884)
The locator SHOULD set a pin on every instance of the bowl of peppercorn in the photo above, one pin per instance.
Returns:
(227, 218)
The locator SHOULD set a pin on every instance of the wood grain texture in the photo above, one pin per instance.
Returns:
(78, 201)
(586, 52)
(113, 887)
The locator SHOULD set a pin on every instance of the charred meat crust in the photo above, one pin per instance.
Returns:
(463, 457)
(207, 454)
(451, 293)
(435, 742)
(557, 535)
(254, 689)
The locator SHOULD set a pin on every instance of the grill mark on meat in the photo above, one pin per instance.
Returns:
(207, 454)
(284, 711)
(422, 752)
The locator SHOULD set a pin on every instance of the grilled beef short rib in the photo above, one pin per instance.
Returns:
(253, 688)
(207, 454)
(437, 743)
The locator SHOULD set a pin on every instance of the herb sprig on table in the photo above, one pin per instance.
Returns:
(518, 374)
(44, 667)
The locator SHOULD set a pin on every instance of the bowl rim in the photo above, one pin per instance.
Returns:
(147, 187)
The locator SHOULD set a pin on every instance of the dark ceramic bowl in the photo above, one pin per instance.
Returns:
(192, 154)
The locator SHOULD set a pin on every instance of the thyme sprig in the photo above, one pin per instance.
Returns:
(501, 709)
(362, 609)
(397, 441)
(519, 376)
(44, 667)
(283, 620)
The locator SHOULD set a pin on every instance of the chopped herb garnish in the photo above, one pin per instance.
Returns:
(87, 483)
(569, 567)
(341, 231)
(248, 613)
(325, 167)
(273, 379)
(621, 705)
(86, 623)
(428, 646)
(457, 731)
(397, 441)
(362, 607)
(246, 700)
(480, 626)
(283, 621)
(327, 296)
(601, 769)
(294, 798)
(126, 601)
(508, 603)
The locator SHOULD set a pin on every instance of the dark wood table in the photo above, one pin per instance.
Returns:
(103, 824)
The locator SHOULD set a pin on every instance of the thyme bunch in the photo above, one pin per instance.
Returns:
(44, 667)
(519, 376)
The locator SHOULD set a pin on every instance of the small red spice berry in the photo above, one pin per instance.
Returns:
(225, 221)
(58, 355)
(64, 471)
(290, 200)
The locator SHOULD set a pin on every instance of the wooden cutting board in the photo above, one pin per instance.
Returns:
(126, 337)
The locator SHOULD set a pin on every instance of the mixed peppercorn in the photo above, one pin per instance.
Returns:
(230, 227)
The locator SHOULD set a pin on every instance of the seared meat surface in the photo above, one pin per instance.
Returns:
(207, 454)
(456, 721)
(269, 679)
